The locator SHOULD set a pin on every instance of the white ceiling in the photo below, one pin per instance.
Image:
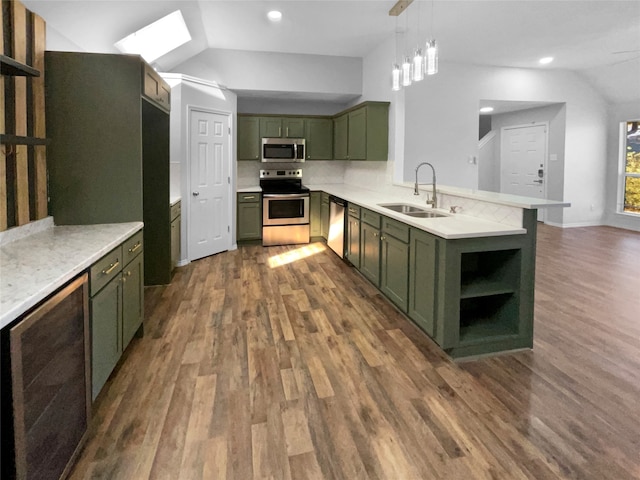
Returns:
(582, 35)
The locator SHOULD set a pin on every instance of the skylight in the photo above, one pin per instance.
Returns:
(157, 38)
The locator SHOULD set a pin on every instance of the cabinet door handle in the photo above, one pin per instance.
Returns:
(111, 268)
(135, 247)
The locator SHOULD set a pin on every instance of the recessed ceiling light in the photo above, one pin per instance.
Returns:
(486, 110)
(274, 15)
(153, 41)
(545, 60)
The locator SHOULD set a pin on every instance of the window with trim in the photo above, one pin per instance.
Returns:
(630, 181)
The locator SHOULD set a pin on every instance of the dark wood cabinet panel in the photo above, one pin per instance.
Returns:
(50, 372)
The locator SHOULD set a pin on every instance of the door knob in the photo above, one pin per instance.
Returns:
(195, 194)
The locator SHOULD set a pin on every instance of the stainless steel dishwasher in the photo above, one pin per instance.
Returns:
(335, 240)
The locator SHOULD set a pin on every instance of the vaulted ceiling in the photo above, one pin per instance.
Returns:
(599, 39)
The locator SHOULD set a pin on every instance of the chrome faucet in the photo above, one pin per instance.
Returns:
(434, 199)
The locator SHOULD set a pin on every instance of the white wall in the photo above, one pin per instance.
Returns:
(441, 118)
(188, 93)
(618, 113)
(555, 116)
(277, 72)
(376, 86)
(285, 106)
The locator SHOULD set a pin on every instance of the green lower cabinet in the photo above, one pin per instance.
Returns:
(132, 299)
(315, 223)
(249, 221)
(370, 253)
(422, 279)
(324, 215)
(394, 272)
(353, 241)
(106, 335)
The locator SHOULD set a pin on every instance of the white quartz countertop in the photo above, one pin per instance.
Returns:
(495, 197)
(35, 266)
(450, 227)
(249, 189)
(173, 200)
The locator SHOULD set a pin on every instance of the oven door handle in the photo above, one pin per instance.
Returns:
(285, 195)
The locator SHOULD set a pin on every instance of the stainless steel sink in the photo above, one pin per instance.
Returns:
(412, 210)
(402, 207)
(426, 214)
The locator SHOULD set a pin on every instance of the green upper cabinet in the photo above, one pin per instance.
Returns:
(248, 138)
(362, 133)
(319, 136)
(282, 127)
(341, 137)
(358, 134)
(293, 127)
(271, 127)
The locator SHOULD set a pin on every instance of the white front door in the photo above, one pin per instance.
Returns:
(208, 223)
(523, 152)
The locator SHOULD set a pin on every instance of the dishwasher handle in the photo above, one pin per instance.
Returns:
(338, 200)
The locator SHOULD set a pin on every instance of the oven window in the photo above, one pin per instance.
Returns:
(278, 151)
(284, 209)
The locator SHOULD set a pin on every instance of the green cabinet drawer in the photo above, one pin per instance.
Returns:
(132, 247)
(354, 210)
(248, 197)
(105, 269)
(371, 218)
(396, 229)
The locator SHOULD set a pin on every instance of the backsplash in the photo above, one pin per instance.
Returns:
(372, 175)
(315, 172)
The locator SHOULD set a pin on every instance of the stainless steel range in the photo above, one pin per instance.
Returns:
(285, 207)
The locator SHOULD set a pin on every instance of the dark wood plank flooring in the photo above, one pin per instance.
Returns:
(249, 370)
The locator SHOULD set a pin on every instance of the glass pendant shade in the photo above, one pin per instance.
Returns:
(418, 66)
(432, 57)
(406, 72)
(395, 78)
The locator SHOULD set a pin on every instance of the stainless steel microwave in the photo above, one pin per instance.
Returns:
(283, 150)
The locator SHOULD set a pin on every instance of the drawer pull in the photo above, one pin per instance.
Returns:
(135, 247)
(111, 268)
(249, 197)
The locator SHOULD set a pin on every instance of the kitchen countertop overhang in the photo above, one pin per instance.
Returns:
(34, 267)
(453, 226)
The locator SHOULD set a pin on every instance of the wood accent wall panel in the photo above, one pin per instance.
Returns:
(3, 156)
(19, 14)
(38, 109)
(23, 169)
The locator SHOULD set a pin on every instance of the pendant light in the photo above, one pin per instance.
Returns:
(432, 57)
(406, 71)
(418, 59)
(395, 77)
(432, 50)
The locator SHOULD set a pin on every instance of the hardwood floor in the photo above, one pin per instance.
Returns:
(304, 371)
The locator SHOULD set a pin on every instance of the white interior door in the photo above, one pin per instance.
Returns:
(523, 152)
(208, 223)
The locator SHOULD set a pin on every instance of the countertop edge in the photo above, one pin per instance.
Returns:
(479, 227)
(8, 316)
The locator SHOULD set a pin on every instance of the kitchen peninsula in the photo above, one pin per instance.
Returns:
(465, 278)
